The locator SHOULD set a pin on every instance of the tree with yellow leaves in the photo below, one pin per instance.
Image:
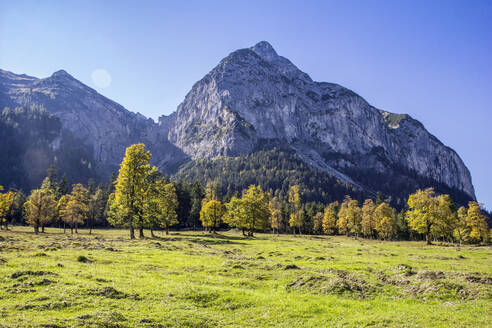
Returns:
(250, 212)
(257, 213)
(330, 218)
(235, 215)
(275, 214)
(74, 208)
(7, 204)
(211, 214)
(384, 216)
(461, 232)
(296, 213)
(422, 216)
(349, 217)
(167, 204)
(318, 223)
(40, 208)
(368, 222)
(446, 218)
(128, 201)
(476, 223)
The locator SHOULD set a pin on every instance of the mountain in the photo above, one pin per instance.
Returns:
(95, 129)
(255, 96)
(255, 101)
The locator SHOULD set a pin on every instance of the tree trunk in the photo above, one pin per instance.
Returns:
(76, 231)
(71, 230)
(90, 229)
(427, 234)
(428, 239)
(132, 231)
(64, 228)
(244, 232)
(141, 233)
(42, 228)
(167, 230)
(36, 230)
(152, 233)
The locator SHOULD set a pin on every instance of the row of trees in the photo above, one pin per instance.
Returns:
(429, 215)
(141, 198)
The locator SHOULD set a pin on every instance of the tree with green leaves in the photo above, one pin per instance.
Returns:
(63, 185)
(129, 197)
(96, 206)
(212, 190)
(197, 193)
(162, 205)
(211, 214)
(330, 218)
(40, 208)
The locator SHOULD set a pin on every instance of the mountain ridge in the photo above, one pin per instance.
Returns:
(252, 97)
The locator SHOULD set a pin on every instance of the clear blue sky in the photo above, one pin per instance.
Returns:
(431, 59)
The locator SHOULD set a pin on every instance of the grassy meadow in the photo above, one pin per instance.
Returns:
(195, 279)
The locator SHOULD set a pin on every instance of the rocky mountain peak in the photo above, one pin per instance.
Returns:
(62, 73)
(255, 95)
(265, 50)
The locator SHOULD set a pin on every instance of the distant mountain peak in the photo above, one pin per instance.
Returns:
(264, 50)
(62, 73)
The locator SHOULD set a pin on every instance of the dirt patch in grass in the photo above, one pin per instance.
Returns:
(110, 292)
(207, 299)
(405, 269)
(338, 282)
(440, 289)
(46, 306)
(478, 279)
(436, 284)
(430, 275)
(42, 282)
(19, 274)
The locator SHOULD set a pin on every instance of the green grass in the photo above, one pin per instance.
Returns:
(194, 279)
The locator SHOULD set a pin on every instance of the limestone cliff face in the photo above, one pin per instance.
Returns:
(252, 98)
(255, 95)
(102, 125)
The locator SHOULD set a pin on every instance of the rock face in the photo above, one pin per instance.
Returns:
(255, 95)
(97, 122)
(252, 98)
